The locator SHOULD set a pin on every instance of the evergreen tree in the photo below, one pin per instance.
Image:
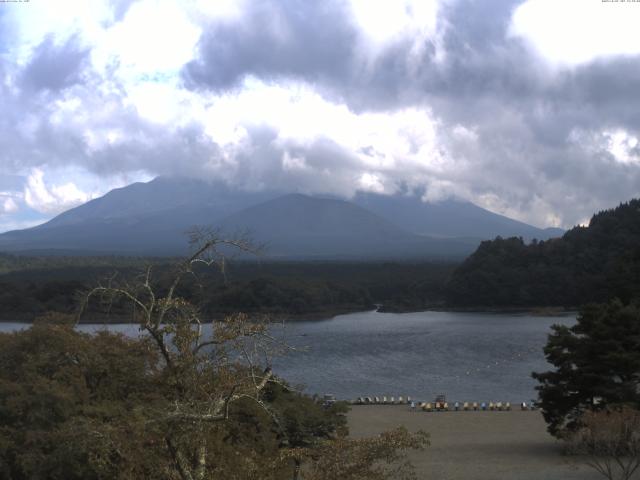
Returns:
(597, 364)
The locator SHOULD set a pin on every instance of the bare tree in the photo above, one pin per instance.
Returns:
(204, 370)
(610, 442)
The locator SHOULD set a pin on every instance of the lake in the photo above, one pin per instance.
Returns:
(467, 356)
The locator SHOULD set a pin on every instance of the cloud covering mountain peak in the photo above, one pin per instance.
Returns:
(458, 98)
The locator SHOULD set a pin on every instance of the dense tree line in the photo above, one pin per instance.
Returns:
(588, 264)
(15, 263)
(277, 288)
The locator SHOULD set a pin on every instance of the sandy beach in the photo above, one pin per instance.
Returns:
(510, 445)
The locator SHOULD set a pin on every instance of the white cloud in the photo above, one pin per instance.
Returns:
(369, 182)
(154, 36)
(460, 132)
(292, 162)
(623, 146)
(573, 32)
(385, 20)
(33, 22)
(51, 198)
(382, 147)
(7, 204)
(218, 9)
(145, 49)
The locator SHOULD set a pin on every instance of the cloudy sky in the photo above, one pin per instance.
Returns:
(530, 108)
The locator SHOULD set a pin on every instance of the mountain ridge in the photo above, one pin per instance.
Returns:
(151, 218)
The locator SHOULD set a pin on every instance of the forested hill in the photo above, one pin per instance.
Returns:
(587, 264)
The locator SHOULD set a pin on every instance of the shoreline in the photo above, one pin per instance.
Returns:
(332, 313)
(543, 311)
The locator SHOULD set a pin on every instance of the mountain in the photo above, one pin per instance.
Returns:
(151, 219)
(301, 226)
(171, 197)
(587, 264)
(142, 218)
(449, 218)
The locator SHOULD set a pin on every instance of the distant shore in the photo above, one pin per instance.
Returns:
(327, 314)
(542, 311)
(93, 318)
(476, 445)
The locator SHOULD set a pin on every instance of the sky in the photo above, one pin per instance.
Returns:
(530, 108)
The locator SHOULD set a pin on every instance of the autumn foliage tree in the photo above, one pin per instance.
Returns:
(70, 405)
(188, 399)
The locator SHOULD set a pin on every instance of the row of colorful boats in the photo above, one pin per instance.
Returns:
(440, 404)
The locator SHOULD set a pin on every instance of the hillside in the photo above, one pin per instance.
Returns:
(449, 218)
(140, 219)
(301, 226)
(152, 218)
(587, 264)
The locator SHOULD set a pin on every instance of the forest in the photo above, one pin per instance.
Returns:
(587, 264)
(32, 286)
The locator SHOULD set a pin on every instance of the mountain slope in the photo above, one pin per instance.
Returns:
(171, 196)
(449, 218)
(151, 218)
(301, 226)
(142, 218)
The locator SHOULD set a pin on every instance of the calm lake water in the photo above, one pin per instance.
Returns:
(467, 356)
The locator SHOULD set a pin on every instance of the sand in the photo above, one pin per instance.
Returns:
(510, 445)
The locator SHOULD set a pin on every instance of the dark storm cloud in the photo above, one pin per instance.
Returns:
(536, 136)
(55, 66)
(525, 113)
(470, 72)
(36, 130)
(320, 167)
(314, 41)
(318, 42)
(295, 38)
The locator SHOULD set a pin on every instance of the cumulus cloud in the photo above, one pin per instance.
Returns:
(574, 32)
(51, 198)
(7, 204)
(290, 38)
(445, 97)
(54, 67)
